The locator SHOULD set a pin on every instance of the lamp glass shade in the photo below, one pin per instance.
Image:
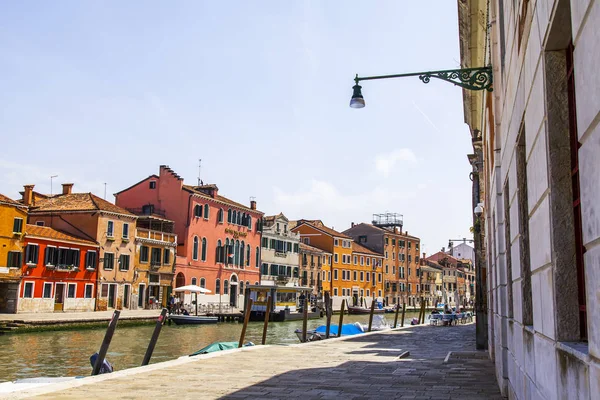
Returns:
(357, 100)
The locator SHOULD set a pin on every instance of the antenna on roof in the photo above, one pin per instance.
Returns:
(52, 177)
(252, 198)
(199, 168)
(104, 190)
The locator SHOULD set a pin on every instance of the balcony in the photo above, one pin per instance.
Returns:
(154, 265)
(156, 236)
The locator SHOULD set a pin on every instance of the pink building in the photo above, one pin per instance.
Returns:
(218, 239)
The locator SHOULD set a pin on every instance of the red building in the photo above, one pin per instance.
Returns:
(59, 272)
(218, 239)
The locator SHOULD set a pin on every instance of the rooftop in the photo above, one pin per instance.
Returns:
(322, 228)
(225, 200)
(75, 202)
(46, 232)
(8, 200)
(357, 248)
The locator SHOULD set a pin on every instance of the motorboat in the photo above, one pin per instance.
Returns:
(219, 346)
(288, 303)
(364, 310)
(192, 319)
(319, 333)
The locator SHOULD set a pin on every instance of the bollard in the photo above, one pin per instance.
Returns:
(112, 325)
(342, 307)
(403, 313)
(154, 338)
(371, 314)
(246, 319)
(328, 314)
(397, 312)
(304, 317)
(267, 316)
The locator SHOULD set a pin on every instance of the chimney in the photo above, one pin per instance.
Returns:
(67, 188)
(253, 204)
(424, 255)
(395, 229)
(28, 195)
(351, 224)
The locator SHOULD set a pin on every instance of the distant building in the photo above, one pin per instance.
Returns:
(462, 251)
(280, 252)
(312, 263)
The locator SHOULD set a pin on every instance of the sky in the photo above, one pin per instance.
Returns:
(104, 92)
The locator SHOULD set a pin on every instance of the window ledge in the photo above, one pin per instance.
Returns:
(579, 350)
(110, 238)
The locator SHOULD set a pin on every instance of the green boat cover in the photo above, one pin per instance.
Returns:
(218, 346)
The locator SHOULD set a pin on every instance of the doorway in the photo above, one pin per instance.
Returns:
(112, 295)
(233, 292)
(141, 295)
(126, 293)
(59, 297)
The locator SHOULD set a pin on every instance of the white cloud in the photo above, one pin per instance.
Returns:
(385, 163)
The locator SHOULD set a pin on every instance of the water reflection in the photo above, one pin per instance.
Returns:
(66, 353)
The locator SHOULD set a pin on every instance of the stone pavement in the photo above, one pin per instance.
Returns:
(62, 317)
(360, 367)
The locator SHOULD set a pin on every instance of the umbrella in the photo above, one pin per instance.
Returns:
(194, 289)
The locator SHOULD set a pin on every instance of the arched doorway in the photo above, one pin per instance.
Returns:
(233, 282)
(180, 280)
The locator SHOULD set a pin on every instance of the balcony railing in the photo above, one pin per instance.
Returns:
(148, 234)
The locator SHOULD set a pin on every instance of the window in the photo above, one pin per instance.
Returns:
(47, 290)
(355, 260)
(167, 257)
(49, 256)
(368, 261)
(202, 283)
(368, 277)
(125, 231)
(31, 254)
(14, 259)
(386, 255)
(71, 290)
(362, 276)
(39, 223)
(329, 276)
(296, 247)
(362, 260)
(220, 215)
(197, 211)
(355, 275)
(152, 184)
(229, 215)
(89, 291)
(18, 225)
(225, 286)
(393, 242)
(144, 254)
(195, 249)
(194, 281)
(155, 257)
(335, 242)
(206, 211)
(109, 260)
(28, 290)
(336, 257)
(203, 249)
(387, 241)
(335, 291)
(248, 255)
(379, 277)
(218, 286)
(257, 257)
(90, 259)
(110, 229)
(335, 274)
(124, 262)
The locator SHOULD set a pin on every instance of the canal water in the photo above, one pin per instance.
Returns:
(66, 353)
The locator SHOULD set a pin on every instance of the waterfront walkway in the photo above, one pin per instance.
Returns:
(365, 366)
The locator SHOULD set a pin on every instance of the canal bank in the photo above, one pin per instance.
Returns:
(440, 363)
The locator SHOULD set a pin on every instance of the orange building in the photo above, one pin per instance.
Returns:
(59, 272)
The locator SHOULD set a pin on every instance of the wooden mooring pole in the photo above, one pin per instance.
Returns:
(422, 313)
(371, 314)
(154, 339)
(327, 314)
(403, 313)
(246, 319)
(112, 325)
(305, 306)
(397, 312)
(342, 307)
(267, 316)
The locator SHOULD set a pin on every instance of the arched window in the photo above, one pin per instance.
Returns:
(257, 256)
(206, 211)
(194, 281)
(241, 287)
(195, 249)
(202, 282)
(219, 255)
(234, 217)
(249, 222)
(239, 218)
(256, 283)
(236, 253)
(225, 286)
(198, 211)
(203, 249)
(229, 215)
(248, 255)
(242, 250)
(217, 286)
(220, 215)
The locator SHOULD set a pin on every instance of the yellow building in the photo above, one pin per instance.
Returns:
(13, 217)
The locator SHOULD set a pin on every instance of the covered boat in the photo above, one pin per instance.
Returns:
(320, 332)
(218, 346)
(288, 304)
(192, 319)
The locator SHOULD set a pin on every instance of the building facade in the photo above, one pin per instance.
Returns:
(539, 140)
(13, 217)
(89, 217)
(280, 253)
(59, 271)
(218, 239)
(312, 272)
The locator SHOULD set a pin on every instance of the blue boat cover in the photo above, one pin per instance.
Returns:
(347, 329)
(218, 346)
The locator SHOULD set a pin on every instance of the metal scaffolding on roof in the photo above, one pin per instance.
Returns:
(388, 220)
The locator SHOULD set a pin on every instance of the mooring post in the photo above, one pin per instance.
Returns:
(403, 313)
(267, 316)
(305, 316)
(397, 312)
(154, 338)
(112, 325)
(327, 314)
(246, 319)
(341, 317)
(371, 313)
(422, 314)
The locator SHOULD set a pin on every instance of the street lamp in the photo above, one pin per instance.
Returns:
(467, 78)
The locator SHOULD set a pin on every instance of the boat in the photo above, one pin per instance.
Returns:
(192, 319)
(32, 383)
(218, 346)
(379, 324)
(287, 305)
(364, 310)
